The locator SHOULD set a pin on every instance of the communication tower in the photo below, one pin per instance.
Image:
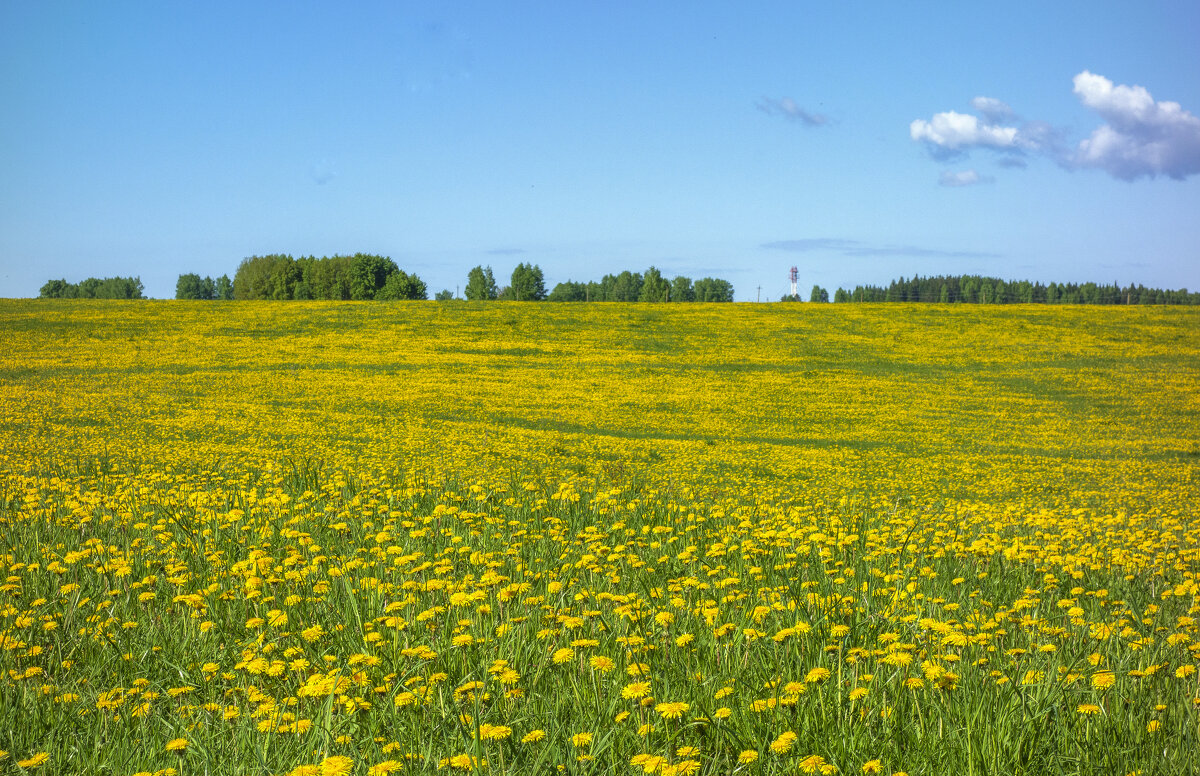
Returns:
(793, 276)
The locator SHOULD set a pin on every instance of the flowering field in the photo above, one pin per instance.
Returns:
(327, 538)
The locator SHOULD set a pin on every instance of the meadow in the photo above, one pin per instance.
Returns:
(371, 538)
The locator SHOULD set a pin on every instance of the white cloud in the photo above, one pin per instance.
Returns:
(1142, 136)
(993, 110)
(962, 178)
(951, 131)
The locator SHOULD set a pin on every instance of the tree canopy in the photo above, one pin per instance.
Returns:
(976, 289)
(192, 286)
(94, 288)
(650, 286)
(361, 276)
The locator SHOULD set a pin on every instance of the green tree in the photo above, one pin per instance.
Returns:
(527, 284)
(818, 295)
(481, 285)
(626, 287)
(58, 289)
(655, 287)
(681, 289)
(224, 288)
(445, 295)
(368, 274)
(192, 286)
(401, 285)
(713, 290)
(569, 292)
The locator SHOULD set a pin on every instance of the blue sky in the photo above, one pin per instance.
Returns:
(858, 141)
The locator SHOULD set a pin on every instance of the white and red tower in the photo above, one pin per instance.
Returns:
(793, 276)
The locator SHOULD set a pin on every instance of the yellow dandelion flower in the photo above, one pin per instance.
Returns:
(533, 736)
(36, 761)
(176, 745)
(784, 743)
(581, 740)
(747, 756)
(635, 690)
(673, 710)
(337, 765)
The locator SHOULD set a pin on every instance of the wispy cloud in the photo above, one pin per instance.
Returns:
(962, 178)
(1140, 136)
(811, 244)
(857, 248)
(788, 109)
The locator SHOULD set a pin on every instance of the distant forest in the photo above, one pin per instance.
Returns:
(361, 276)
(365, 276)
(975, 289)
(94, 288)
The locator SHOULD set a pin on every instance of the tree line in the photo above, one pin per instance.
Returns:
(361, 276)
(94, 288)
(976, 289)
(528, 284)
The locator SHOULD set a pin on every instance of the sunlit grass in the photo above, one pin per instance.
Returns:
(326, 538)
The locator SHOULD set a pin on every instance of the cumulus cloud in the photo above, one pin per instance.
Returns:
(1141, 136)
(951, 134)
(788, 108)
(962, 178)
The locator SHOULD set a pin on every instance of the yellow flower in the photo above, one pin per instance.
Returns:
(581, 740)
(784, 743)
(34, 762)
(563, 655)
(533, 736)
(673, 710)
(871, 767)
(817, 675)
(1102, 680)
(337, 765)
(747, 756)
(635, 690)
(601, 663)
(1088, 709)
(813, 763)
(176, 745)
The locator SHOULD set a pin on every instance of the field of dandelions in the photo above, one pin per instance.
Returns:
(369, 538)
